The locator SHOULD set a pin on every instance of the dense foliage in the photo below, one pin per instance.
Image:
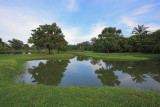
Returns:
(16, 44)
(48, 36)
(26, 47)
(3, 46)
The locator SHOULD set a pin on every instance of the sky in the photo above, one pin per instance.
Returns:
(80, 20)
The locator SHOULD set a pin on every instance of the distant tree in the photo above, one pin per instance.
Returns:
(1, 44)
(87, 46)
(81, 46)
(0, 40)
(49, 36)
(73, 47)
(26, 47)
(15, 44)
(5, 46)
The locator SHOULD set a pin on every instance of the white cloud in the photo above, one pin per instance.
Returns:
(72, 5)
(153, 27)
(73, 34)
(133, 19)
(128, 21)
(18, 22)
(145, 9)
(95, 30)
(131, 23)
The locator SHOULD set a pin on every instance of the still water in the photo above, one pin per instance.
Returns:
(86, 71)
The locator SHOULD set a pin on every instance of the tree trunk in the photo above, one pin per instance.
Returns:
(107, 50)
(39, 50)
(82, 50)
(139, 51)
(153, 51)
(26, 51)
(58, 51)
(49, 51)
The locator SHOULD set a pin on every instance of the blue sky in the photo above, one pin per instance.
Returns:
(80, 20)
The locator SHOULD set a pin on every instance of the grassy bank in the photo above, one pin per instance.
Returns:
(12, 94)
(40, 95)
(120, 56)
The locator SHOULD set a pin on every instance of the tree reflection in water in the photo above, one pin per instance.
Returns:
(107, 77)
(82, 58)
(49, 73)
(138, 70)
(87, 71)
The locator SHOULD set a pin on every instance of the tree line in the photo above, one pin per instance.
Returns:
(13, 44)
(112, 40)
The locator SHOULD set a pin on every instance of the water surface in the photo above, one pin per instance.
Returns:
(86, 71)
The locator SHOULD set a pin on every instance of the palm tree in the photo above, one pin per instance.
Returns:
(141, 29)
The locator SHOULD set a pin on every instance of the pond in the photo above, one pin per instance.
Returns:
(87, 71)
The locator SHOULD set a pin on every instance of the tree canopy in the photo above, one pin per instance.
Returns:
(108, 38)
(48, 36)
(15, 44)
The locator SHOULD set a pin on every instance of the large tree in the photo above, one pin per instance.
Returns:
(109, 38)
(15, 44)
(49, 36)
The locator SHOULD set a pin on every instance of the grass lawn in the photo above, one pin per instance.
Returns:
(120, 56)
(13, 94)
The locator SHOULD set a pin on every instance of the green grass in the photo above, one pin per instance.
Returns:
(13, 94)
(120, 56)
(40, 95)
